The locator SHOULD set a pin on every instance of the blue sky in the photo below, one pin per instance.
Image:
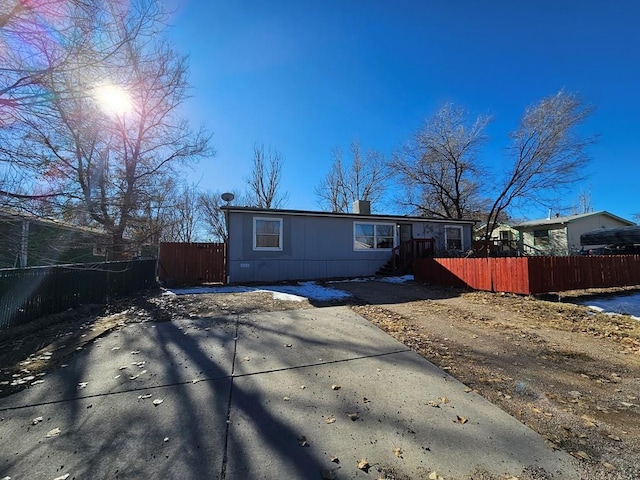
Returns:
(307, 77)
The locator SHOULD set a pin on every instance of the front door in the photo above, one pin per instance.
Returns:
(406, 232)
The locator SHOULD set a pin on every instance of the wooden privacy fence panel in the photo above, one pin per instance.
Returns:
(192, 263)
(546, 274)
(30, 293)
(509, 274)
(455, 272)
(531, 275)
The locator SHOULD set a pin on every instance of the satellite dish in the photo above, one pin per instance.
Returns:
(227, 196)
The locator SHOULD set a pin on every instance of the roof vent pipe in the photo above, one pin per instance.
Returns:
(362, 207)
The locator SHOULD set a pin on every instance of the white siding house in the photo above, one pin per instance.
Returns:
(561, 235)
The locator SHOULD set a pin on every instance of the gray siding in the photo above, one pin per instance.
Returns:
(314, 247)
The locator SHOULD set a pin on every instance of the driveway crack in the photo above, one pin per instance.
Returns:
(223, 468)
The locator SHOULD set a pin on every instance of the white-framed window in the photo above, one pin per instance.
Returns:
(267, 233)
(453, 237)
(373, 236)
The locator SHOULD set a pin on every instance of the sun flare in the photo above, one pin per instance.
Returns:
(113, 99)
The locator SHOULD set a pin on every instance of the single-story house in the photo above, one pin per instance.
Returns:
(268, 245)
(503, 239)
(28, 241)
(561, 235)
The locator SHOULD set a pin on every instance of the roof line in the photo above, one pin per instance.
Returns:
(308, 213)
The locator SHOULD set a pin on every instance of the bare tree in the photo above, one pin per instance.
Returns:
(548, 154)
(264, 182)
(107, 160)
(438, 167)
(37, 39)
(209, 204)
(584, 201)
(170, 214)
(364, 178)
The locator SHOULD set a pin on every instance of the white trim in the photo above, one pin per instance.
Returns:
(267, 249)
(374, 248)
(446, 240)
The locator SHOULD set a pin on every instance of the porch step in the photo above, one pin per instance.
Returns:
(387, 270)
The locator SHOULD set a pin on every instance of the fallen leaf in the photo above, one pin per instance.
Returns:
(288, 345)
(335, 460)
(36, 420)
(461, 420)
(145, 396)
(246, 359)
(467, 390)
(157, 401)
(122, 367)
(302, 441)
(581, 454)
(353, 416)
(62, 477)
(431, 403)
(286, 399)
(614, 438)
(608, 466)
(53, 433)
(444, 400)
(398, 452)
(435, 476)
(135, 352)
(330, 419)
(364, 465)
(335, 387)
(166, 439)
(82, 385)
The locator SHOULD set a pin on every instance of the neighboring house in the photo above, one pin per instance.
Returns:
(277, 245)
(28, 241)
(561, 235)
(503, 239)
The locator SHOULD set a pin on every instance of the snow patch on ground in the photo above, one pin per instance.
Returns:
(627, 304)
(403, 279)
(296, 293)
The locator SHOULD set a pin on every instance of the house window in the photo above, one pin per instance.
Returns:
(267, 233)
(541, 237)
(373, 236)
(453, 238)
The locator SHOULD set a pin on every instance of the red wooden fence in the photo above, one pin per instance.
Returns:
(531, 275)
(192, 263)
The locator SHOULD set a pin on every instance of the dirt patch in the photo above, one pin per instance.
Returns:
(570, 374)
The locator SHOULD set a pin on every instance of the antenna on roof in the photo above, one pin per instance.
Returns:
(227, 197)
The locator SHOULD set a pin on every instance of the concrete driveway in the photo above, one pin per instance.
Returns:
(282, 395)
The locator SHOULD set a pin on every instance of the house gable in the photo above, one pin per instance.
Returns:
(564, 232)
